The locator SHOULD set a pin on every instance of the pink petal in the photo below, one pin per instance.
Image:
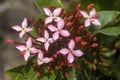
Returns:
(21, 47)
(40, 54)
(64, 33)
(47, 11)
(33, 50)
(47, 60)
(46, 46)
(78, 53)
(71, 44)
(29, 43)
(87, 22)
(17, 28)
(92, 13)
(70, 58)
(64, 51)
(41, 39)
(46, 34)
(50, 40)
(60, 24)
(56, 36)
(24, 23)
(39, 62)
(84, 14)
(29, 29)
(57, 11)
(48, 20)
(52, 28)
(26, 55)
(96, 22)
(21, 34)
(57, 19)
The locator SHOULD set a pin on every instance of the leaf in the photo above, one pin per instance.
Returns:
(106, 17)
(72, 75)
(14, 72)
(47, 3)
(113, 31)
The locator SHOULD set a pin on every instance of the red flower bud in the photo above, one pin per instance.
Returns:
(78, 7)
(83, 43)
(77, 39)
(90, 6)
(94, 45)
(10, 41)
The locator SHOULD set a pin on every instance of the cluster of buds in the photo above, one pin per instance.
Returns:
(62, 37)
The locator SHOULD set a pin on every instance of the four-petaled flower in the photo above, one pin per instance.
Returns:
(52, 15)
(90, 18)
(71, 52)
(23, 29)
(58, 30)
(41, 59)
(27, 49)
(46, 40)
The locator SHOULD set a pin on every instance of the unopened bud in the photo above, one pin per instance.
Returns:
(83, 43)
(70, 17)
(10, 41)
(77, 39)
(38, 74)
(90, 6)
(68, 25)
(94, 45)
(78, 7)
(94, 39)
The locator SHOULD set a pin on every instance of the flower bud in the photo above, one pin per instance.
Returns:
(94, 45)
(77, 39)
(10, 41)
(90, 6)
(78, 7)
(83, 43)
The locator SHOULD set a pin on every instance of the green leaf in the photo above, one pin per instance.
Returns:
(113, 31)
(14, 72)
(47, 3)
(72, 75)
(106, 17)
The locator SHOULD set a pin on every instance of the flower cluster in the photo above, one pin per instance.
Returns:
(61, 39)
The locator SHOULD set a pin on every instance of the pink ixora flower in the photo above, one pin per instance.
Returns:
(52, 15)
(58, 30)
(90, 18)
(27, 49)
(71, 52)
(46, 40)
(41, 59)
(23, 29)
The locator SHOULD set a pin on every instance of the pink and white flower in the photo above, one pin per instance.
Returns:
(90, 18)
(23, 29)
(58, 30)
(52, 15)
(46, 40)
(41, 59)
(71, 52)
(27, 49)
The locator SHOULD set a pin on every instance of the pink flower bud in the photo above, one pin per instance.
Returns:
(77, 39)
(94, 45)
(83, 43)
(10, 41)
(90, 6)
(78, 7)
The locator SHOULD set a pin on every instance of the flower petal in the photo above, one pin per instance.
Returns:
(96, 22)
(70, 58)
(47, 60)
(50, 40)
(84, 14)
(92, 13)
(47, 11)
(64, 51)
(40, 54)
(52, 28)
(21, 34)
(29, 29)
(71, 44)
(57, 11)
(56, 36)
(24, 23)
(29, 43)
(17, 28)
(48, 20)
(57, 19)
(26, 55)
(64, 33)
(87, 22)
(46, 34)
(60, 24)
(39, 62)
(21, 47)
(78, 53)
(41, 39)
(46, 46)
(33, 50)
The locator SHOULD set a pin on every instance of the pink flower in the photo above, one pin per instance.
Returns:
(41, 59)
(58, 30)
(71, 52)
(90, 18)
(27, 49)
(52, 15)
(23, 29)
(46, 40)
